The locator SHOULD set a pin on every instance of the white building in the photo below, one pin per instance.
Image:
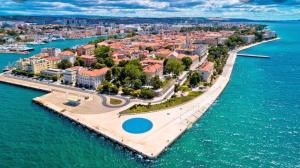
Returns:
(67, 55)
(248, 38)
(52, 52)
(70, 75)
(201, 49)
(269, 34)
(91, 78)
(52, 72)
(206, 71)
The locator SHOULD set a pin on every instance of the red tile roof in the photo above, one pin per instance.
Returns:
(152, 61)
(88, 57)
(52, 58)
(207, 67)
(93, 73)
(152, 68)
(88, 46)
(75, 68)
(66, 53)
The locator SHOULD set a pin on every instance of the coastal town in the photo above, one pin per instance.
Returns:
(149, 71)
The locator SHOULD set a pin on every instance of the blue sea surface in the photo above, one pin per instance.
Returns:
(254, 123)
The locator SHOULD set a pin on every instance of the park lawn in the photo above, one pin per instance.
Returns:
(174, 101)
(115, 101)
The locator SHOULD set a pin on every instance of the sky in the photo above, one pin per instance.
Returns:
(249, 9)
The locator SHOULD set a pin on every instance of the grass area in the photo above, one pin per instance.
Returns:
(174, 101)
(166, 82)
(114, 101)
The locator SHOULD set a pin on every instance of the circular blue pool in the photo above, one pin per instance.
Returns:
(137, 125)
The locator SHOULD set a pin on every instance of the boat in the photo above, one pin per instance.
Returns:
(36, 43)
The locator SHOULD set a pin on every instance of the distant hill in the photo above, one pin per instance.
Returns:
(122, 20)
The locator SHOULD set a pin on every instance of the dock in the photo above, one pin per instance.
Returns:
(253, 56)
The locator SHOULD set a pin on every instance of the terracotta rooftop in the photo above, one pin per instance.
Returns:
(66, 53)
(152, 61)
(88, 46)
(93, 73)
(152, 68)
(52, 58)
(74, 68)
(88, 57)
(207, 67)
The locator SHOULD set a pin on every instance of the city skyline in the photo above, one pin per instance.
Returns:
(249, 9)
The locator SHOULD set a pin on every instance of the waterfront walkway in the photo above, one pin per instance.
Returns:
(168, 124)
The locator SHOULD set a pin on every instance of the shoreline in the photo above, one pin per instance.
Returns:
(168, 124)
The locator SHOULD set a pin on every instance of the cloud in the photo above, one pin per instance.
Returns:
(253, 9)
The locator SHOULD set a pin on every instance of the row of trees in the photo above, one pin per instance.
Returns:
(218, 54)
(23, 73)
(175, 67)
(31, 74)
(110, 88)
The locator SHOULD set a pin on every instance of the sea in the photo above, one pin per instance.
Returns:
(254, 123)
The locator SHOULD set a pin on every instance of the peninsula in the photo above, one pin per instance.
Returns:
(110, 84)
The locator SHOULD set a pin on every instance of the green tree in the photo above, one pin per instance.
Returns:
(176, 88)
(195, 79)
(79, 61)
(218, 55)
(187, 62)
(108, 88)
(137, 84)
(173, 66)
(104, 55)
(64, 64)
(109, 61)
(234, 41)
(258, 36)
(116, 71)
(123, 63)
(150, 49)
(147, 93)
(97, 65)
(131, 34)
(127, 90)
(156, 83)
(132, 70)
(108, 75)
(102, 52)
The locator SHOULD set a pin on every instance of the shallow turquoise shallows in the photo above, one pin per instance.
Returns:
(254, 123)
(137, 125)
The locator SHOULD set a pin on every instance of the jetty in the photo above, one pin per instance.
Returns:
(253, 55)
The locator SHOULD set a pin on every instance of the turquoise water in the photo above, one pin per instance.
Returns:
(137, 125)
(254, 123)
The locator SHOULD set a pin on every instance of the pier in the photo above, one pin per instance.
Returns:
(253, 56)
